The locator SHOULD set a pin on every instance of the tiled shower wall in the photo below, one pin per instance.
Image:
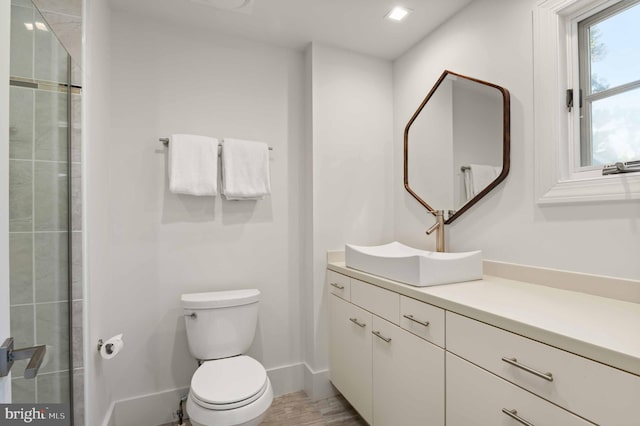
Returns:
(38, 192)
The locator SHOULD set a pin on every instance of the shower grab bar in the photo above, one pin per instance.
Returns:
(35, 355)
(165, 142)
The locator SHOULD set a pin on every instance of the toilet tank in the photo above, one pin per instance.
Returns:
(220, 324)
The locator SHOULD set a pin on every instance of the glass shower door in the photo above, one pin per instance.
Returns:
(39, 224)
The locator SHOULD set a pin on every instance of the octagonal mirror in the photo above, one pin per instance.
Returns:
(456, 145)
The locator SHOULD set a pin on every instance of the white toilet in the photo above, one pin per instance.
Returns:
(228, 389)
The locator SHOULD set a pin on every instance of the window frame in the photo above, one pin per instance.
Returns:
(580, 27)
(555, 66)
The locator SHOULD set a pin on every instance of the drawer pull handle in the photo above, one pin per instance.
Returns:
(515, 363)
(514, 415)
(411, 318)
(378, 334)
(338, 286)
(358, 323)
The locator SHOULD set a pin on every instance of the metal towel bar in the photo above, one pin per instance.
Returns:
(165, 142)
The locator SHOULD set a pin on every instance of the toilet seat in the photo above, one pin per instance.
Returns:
(231, 406)
(249, 415)
(228, 383)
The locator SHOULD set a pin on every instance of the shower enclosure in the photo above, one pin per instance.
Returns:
(40, 153)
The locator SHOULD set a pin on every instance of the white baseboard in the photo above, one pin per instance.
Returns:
(316, 384)
(159, 408)
(152, 409)
(287, 379)
(109, 418)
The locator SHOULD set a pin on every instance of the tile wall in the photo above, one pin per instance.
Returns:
(38, 200)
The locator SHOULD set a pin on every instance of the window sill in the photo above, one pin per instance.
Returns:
(603, 188)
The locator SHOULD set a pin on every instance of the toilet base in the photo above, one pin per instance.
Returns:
(249, 415)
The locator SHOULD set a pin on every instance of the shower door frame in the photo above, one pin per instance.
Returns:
(5, 76)
(5, 33)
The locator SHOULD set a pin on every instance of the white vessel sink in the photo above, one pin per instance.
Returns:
(412, 266)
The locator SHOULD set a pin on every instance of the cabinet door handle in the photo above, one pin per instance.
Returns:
(338, 286)
(378, 334)
(358, 323)
(515, 363)
(411, 318)
(514, 415)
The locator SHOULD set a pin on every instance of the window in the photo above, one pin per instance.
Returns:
(592, 46)
(609, 80)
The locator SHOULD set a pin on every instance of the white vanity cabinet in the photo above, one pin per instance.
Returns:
(396, 351)
(390, 375)
(597, 392)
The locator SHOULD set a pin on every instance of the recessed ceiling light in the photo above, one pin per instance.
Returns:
(41, 26)
(398, 13)
(29, 26)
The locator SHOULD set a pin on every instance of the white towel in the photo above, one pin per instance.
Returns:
(468, 183)
(245, 170)
(193, 165)
(482, 175)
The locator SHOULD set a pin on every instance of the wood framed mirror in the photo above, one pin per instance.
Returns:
(457, 144)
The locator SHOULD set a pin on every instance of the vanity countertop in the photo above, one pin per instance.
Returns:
(602, 329)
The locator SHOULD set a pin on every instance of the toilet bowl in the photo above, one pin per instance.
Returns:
(229, 388)
(229, 392)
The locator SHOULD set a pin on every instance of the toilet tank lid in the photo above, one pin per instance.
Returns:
(220, 299)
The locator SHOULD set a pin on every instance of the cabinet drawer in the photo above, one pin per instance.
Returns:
(476, 397)
(422, 319)
(592, 390)
(384, 303)
(339, 284)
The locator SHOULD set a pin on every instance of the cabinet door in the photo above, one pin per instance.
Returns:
(476, 397)
(408, 378)
(350, 353)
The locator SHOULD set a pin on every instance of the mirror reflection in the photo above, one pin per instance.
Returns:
(457, 144)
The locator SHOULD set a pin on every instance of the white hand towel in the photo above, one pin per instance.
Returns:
(468, 184)
(482, 175)
(193, 165)
(245, 170)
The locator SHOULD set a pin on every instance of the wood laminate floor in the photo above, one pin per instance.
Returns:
(296, 409)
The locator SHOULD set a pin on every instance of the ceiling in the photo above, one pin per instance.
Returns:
(357, 25)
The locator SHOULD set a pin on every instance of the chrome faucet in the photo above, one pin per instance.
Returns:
(439, 228)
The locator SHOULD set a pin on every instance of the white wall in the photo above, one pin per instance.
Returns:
(352, 172)
(492, 40)
(167, 79)
(97, 143)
